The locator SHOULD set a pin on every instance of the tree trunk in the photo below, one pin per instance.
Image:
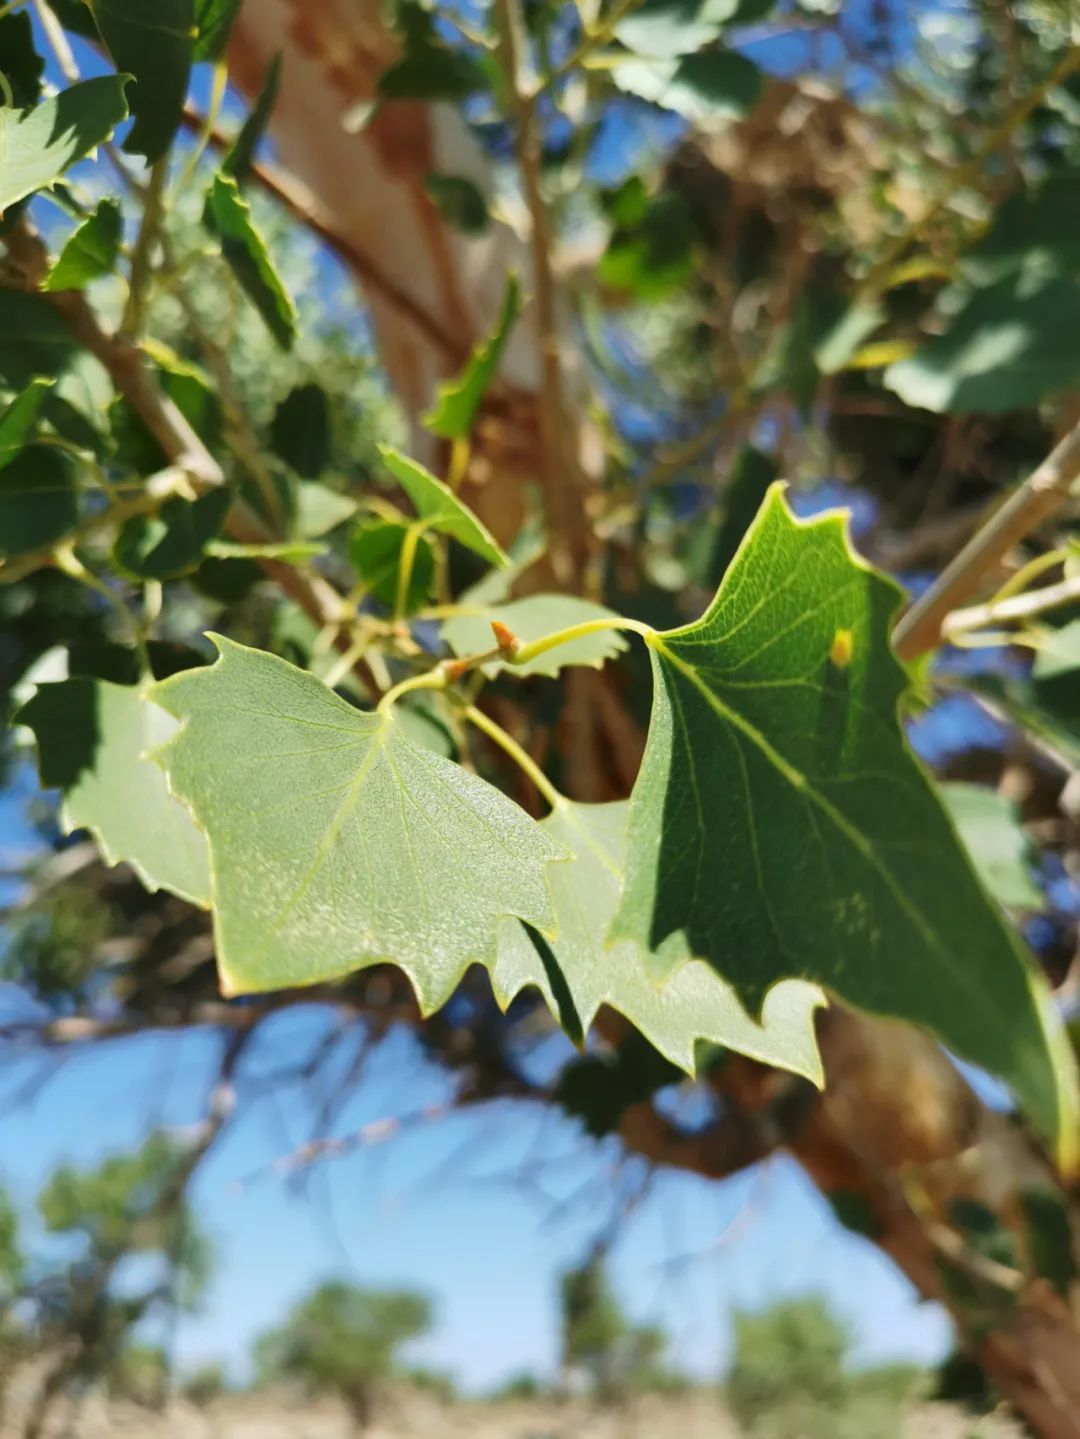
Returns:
(898, 1140)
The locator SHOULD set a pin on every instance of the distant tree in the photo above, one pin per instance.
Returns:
(205, 1384)
(788, 1378)
(436, 1382)
(12, 1337)
(138, 1373)
(599, 1342)
(82, 1318)
(345, 1341)
(518, 1387)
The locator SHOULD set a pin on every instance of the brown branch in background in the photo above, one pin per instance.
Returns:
(920, 627)
(134, 379)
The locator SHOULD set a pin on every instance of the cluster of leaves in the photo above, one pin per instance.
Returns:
(781, 843)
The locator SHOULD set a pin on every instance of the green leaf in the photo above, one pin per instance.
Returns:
(241, 153)
(694, 1004)
(19, 418)
(37, 145)
(458, 400)
(33, 338)
(75, 16)
(440, 507)
(22, 65)
(319, 509)
(93, 739)
(990, 827)
(191, 392)
(213, 22)
(1055, 675)
(336, 843)
(780, 827)
(469, 632)
(666, 28)
(228, 217)
(375, 550)
(460, 202)
(432, 72)
(290, 552)
(154, 43)
(836, 347)
(90, 252)
(300, 431)
(1033, 231)
(653, 256)
(171, 543)
(1005, 347)
(38, 499)
(713, 88)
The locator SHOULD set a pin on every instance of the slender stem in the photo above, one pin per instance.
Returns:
(142, 256)
(1013, 608)
(406, 562)
(7, 94)
(919, 628)
(569, 529)
(208, 126)
(1023, 577)
(530, 651)
(58, 41)
(459, 462)
(521, 758)
(430, 680)
(66, 559)
(345, 662)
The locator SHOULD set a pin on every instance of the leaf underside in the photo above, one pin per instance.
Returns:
(93, 738)
(780, 826)
(337, 843)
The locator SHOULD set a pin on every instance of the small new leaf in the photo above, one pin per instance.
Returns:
(17, 421)
(90, 251)
(93, 738)
(337, 843)
(440, 507)
(780, 827)
(694, 1004)
(228, 217)
(457, 400)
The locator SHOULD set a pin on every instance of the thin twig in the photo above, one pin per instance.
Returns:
(1012, 609)
(920, 627)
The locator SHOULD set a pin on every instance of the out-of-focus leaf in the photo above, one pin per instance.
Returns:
(1055, 675)
(75, 16)
(238, 160)
(19, 418)
(300, 430)
(1033, 232)
(190, 391)
(1008, 346)
(39, 144)
(290, 552)
(440, 507)
(469, 632)
(22, 66)
(375, 550)
(38, 499)
(1049, 1237)
(155, 44)
(836, 348)
(320, 509)
(990, 827)
(708, 89)
(213, 22)
(90, 252)
(171, 543)
(226, 580)
(33, 338)
(389, 851)
(667, 28)
(458, 400)
(580, 967)
(781, 827)
(654, 256)
(461, 203)
(93, 739)
(431, 71)
(228, 217)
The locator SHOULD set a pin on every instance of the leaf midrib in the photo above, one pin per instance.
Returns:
(802, 784)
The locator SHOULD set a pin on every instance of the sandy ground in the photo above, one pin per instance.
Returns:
(694, 1416)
